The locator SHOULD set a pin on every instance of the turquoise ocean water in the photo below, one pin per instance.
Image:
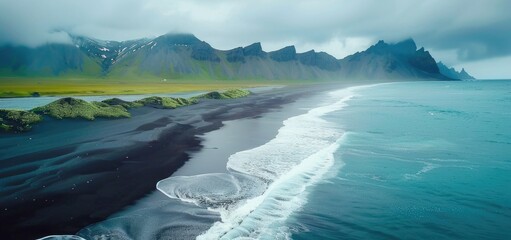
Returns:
(419, 160)
(411, 160)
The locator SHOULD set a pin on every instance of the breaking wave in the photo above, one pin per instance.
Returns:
(264, 185)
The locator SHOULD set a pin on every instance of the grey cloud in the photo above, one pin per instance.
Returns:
(474, 29)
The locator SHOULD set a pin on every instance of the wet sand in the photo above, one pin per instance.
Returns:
(67, 174)
(159, 217)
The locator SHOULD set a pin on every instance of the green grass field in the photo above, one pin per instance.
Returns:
(30, 86)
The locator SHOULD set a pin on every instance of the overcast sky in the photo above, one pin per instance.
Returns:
(474, 34)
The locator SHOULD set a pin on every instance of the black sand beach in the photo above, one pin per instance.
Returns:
(157, 216)
(67, 174)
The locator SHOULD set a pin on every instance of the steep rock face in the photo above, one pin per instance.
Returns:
(235, 55)
(200, 50)
(452, 73)
(407, 51)
(321, 60)
(405, 47)
(284, 55)
(464, 75)
(422, 60)
(391, 61)
(184, 56)
(241, 53)
(255, 50)
(204, 52)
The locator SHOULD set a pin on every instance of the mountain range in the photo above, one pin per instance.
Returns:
(452, 73)
(184, 56)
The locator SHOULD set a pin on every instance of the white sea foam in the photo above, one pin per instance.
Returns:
(262, 217)
(62, 237)
(266, 184)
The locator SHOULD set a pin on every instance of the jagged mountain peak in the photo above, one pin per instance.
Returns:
(321, 60)
(407, 45)
(235, 55)
(397, 60)
(184, 56)
(254, 49)
(451, 73)
(284, 54)
(256, 45)
(290, 48)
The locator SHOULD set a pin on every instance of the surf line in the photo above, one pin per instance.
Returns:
(267, 183)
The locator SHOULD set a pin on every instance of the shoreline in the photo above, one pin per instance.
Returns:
(212, 158)
(283, 168)
(28, 103)
(101, 168)
(219, 144)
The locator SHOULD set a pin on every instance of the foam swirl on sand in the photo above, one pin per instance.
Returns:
(266, 184)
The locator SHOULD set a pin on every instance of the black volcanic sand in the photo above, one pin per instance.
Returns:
(157, 216)
(67, 174)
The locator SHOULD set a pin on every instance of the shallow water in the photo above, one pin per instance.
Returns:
(420, 160)
(27, 103)
(263, 185)
(158, 217)
(423, 160)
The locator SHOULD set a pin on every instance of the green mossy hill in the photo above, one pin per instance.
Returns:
(120, 102)
(77, 108)
(229, 94)
(17, 121)
(165, 102)
(236, 93)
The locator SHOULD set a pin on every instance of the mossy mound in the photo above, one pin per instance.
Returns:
(229, 94)
(165, 102)
(18, 121)
(210, 95)
(236, 93)
(120, 102)
(77, 108)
